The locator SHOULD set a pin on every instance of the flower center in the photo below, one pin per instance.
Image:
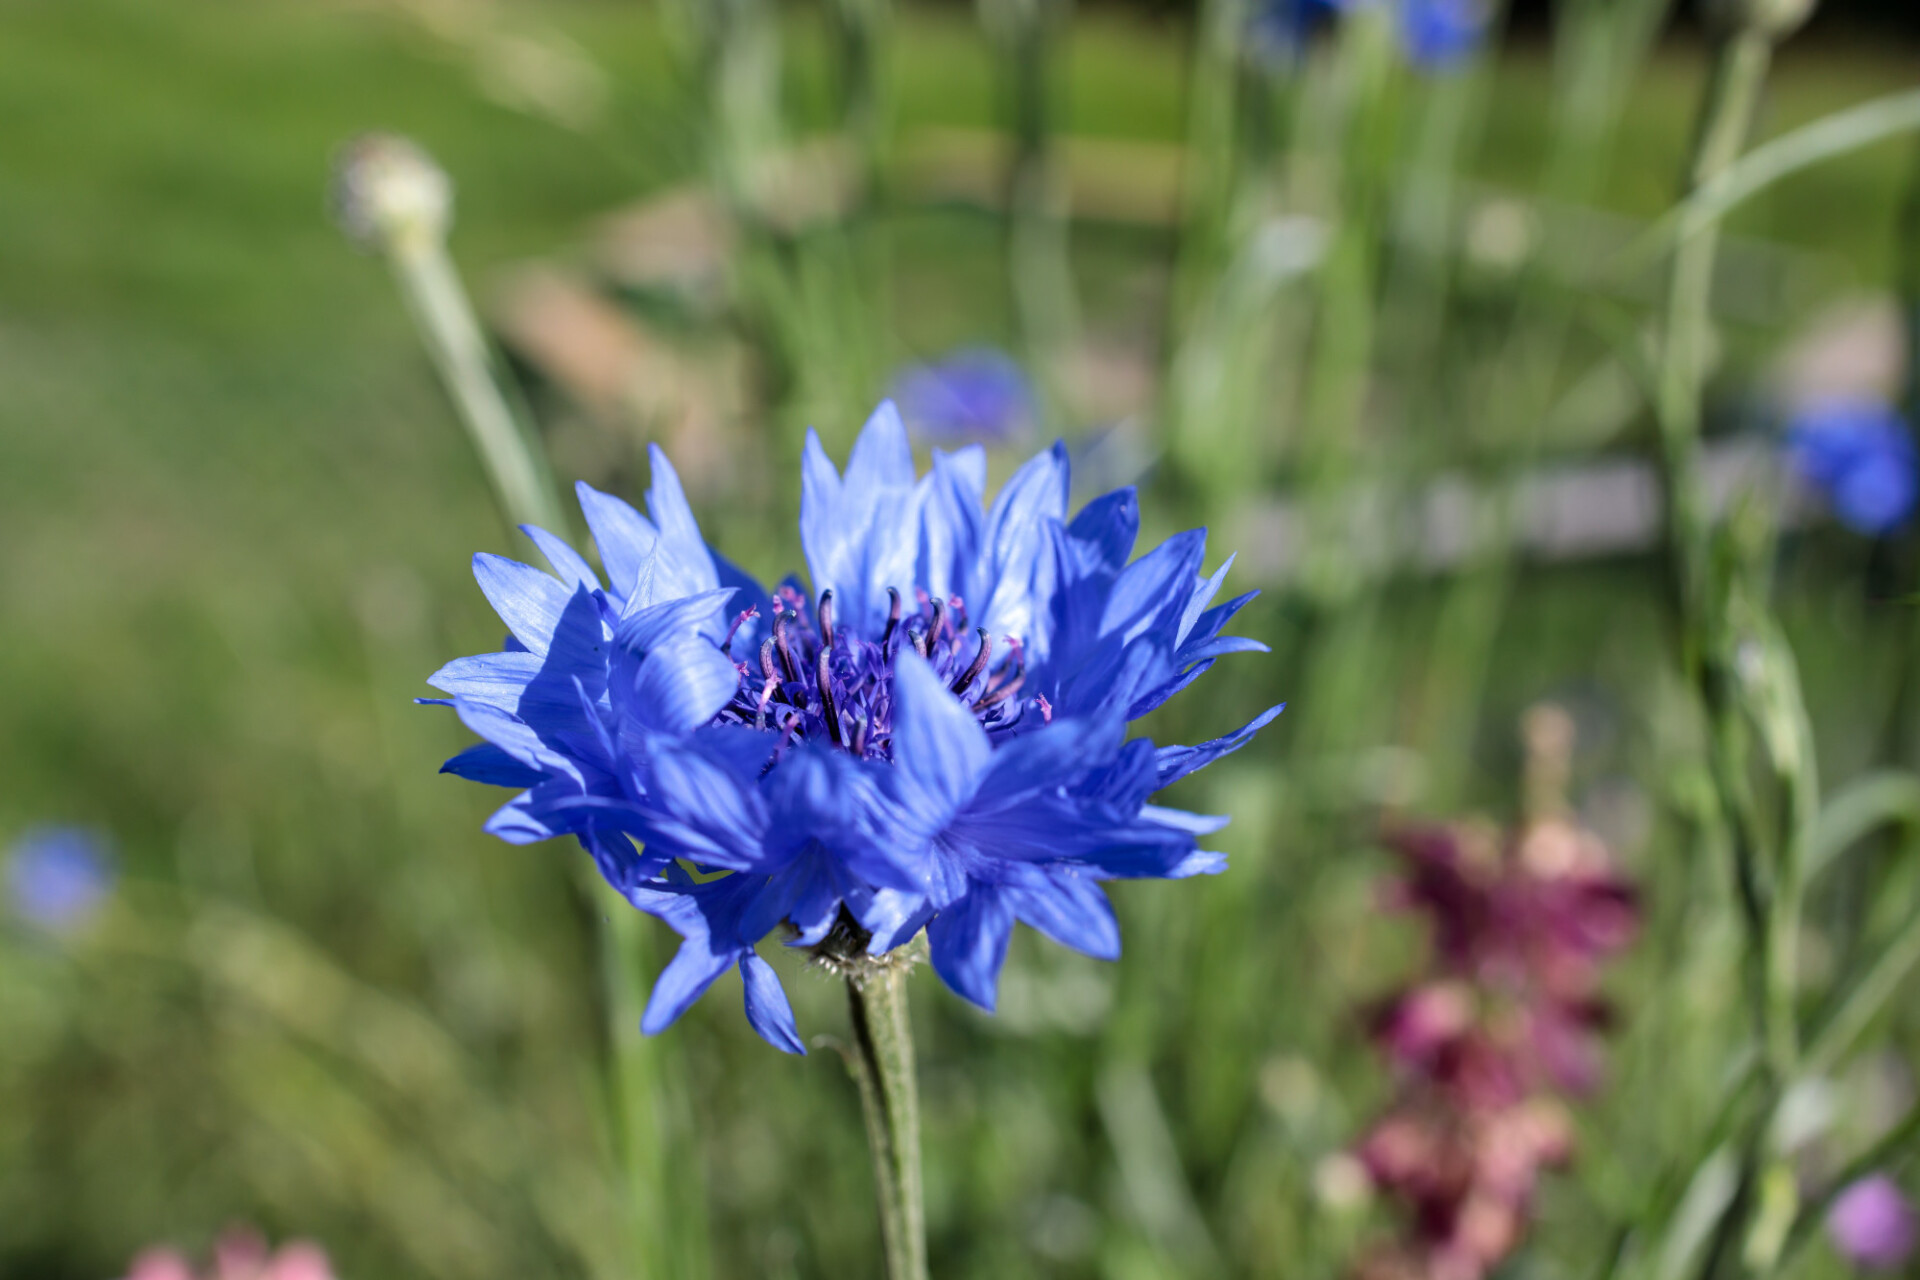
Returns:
(813, 679)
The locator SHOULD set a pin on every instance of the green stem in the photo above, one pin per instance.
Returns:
(1878, 985)
(1739, 71)
(515, 465)
(881, 1061)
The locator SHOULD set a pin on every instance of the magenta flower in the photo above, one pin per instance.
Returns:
(1872, 1225)
(1520, 932)
(1506, 1016)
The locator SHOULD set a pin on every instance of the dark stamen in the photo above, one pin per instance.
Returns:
(860, 736)
(726, 646)
(893, 617)
(999, 693)
(939, 620)
(979, 664)
(785, 648)
(828, 711)
(825, 614)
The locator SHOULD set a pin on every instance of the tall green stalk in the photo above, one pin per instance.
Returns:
(393, 198)
(1732, 652)
(1711, 645)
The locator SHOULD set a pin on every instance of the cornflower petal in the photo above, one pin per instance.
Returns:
(682, 685)
(683, 567)
(1175, 763)
(939, 748)
(767, 1007)
(484, 762)
(567, 563)
(529, 601)
(968, 943)
(1072, 910)
(625, 537)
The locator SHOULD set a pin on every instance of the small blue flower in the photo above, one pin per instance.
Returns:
(974, 394)
(1278, 30)
(933, 737)
(1440, 34)
(58, 876)
(1858, 453)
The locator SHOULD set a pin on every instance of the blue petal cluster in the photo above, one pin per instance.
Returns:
(1859, 454)
(1440, 34)
(57, 877)
(1279, 30)
(1435, 35)
(975, 394)
(934, 737)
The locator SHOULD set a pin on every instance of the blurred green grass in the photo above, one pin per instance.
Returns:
(237, 516)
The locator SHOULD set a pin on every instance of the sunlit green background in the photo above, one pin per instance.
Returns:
(235, 519)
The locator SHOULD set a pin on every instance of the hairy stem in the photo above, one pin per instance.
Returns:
(881, 1060)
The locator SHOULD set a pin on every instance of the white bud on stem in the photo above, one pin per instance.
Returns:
(388, 194)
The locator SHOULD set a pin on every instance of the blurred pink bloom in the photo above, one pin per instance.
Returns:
(240, 1254)
(1872, 1224)
(1507, 1015)
(160, 1264)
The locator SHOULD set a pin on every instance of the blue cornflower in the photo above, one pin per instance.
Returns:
(934, 736)
(1859, 454)
(58, 876)
(1439, 34)
(974, 394)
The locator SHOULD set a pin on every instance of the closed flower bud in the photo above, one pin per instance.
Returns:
(387, 193)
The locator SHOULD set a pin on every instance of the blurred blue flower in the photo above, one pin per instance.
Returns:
(58, 876)
(1278, 30)
(1858, 454)
(1439, 34)
(1872, 1225)
(936, 739)
(974, 394)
